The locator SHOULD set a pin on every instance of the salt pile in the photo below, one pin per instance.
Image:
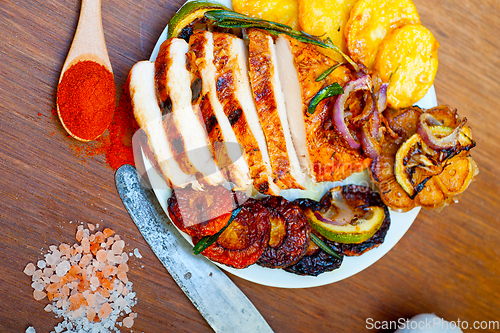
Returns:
(86, 283)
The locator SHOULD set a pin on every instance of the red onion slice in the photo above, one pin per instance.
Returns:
(382, 97)
(371, 146)
(325, 220)
(363, 83)
(423, 129)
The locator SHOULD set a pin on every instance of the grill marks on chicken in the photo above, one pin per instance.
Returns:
(322, 152)
(234, 94)
(228, 152)
(149, 117)
(173, 82)
(271, 110)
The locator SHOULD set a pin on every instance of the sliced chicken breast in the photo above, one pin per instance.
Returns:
(235, 95)
(228, 152)
(270, 103)
(321, 151)
(149, 117)
(174, 82)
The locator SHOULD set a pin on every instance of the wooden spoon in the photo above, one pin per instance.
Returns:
(88, 44)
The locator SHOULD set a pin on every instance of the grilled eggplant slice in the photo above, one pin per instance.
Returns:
(290, 233)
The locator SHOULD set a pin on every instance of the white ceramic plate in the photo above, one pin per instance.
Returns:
(400, 222)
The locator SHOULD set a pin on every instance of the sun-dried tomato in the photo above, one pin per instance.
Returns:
(201, 213)
(294, 240)
(243, 242)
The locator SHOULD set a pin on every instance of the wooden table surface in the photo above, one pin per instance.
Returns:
(447, 263)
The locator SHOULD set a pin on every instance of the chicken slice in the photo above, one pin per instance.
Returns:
(149, 117)
(271, 110)
(227, 150)
(235, 95)
(321, 151)
(173, 81)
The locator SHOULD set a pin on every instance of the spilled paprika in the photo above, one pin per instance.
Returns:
(86, 99)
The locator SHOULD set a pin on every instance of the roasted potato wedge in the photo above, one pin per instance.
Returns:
(408, 60)
(370, 21)
(323, 17)
(281, 11)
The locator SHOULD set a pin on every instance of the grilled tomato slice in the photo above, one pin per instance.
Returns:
(244, 240)
(347, 216)
(290, 233)
(200, 213)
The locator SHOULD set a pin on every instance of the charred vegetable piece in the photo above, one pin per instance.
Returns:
(209, 240)
(457, 175)
(290, 233)
(200, 213)
(315, 264)
(182, 23)
(244, 240)
(346, 218)
(410, 156)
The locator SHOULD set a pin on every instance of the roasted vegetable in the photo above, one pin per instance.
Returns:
(282, 11)
(347, 215)
(326, 17)
(370, 21)
(407, 59)
(290, 232)
(244, 240)
(200, 213)
(410, 173)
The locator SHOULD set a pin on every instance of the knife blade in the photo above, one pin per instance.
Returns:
(217, 298)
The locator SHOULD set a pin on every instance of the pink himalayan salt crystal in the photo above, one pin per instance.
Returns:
(105, 310)
(90, 300)
(109, 242)
(65, 290)
(41, 264)
(125, 291)
(118, 246)
(91, 226)
(38, 295)
(37, 275)
(54, 278)
(48, 307)
(110, 257)
(29, 269)
(63, 268)
(122, 276)
(86, 245)
(79, 234)
(109, 270)
(91, 314)
(128, 322)
(101, 255)
(85, 260)
(65, 250)
(122, 268)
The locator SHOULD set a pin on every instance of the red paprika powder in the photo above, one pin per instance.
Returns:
(86, 99)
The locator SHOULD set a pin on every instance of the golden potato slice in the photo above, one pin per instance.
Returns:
(408, 60)
(281, 11)
(320, 17)
(370, 21)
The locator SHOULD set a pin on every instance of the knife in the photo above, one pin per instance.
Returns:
(217, 298)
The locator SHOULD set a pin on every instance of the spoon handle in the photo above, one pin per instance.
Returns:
(88, 42)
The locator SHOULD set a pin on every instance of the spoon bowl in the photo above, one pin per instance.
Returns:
(88, 45)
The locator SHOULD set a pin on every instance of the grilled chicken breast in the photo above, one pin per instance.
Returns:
(235, 95)
(228, 152)
(270, 103)
(321, 151)
(149, 117)
(173, 81)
